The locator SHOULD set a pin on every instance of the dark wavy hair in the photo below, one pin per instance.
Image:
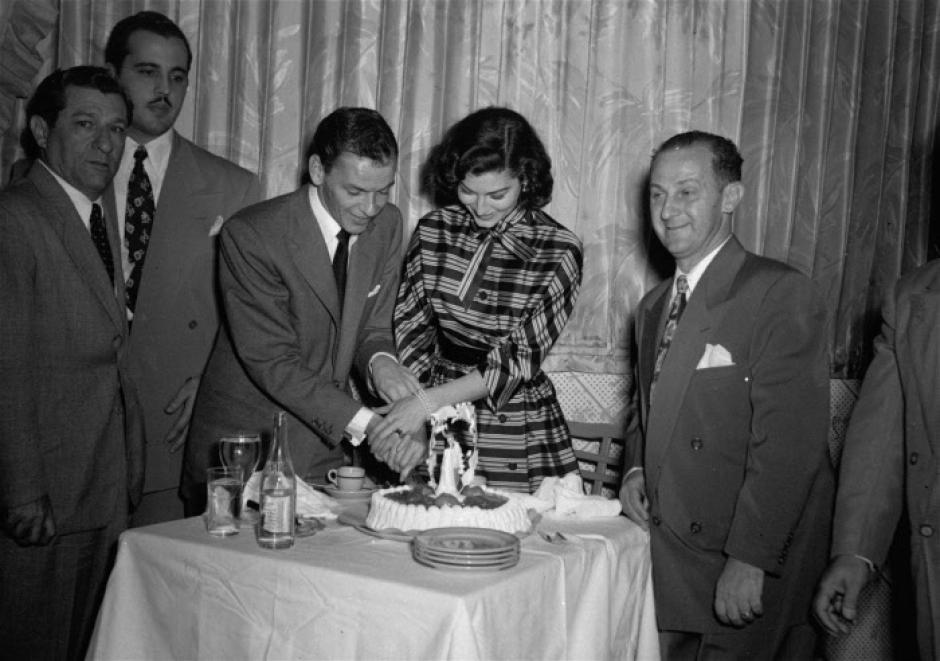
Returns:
(360, 131)
(149, 21)
(51, 96)
(490, 139)
(726, 159)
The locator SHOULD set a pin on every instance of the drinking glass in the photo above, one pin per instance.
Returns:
(241, 451)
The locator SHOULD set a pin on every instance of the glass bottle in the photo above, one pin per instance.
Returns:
(278, 492)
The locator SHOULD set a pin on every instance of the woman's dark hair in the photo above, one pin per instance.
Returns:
(488, 140)
(51, 96)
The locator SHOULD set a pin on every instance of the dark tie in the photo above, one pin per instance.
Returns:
(340, 257)
(675, 311)
(138, 224)
(100, 236)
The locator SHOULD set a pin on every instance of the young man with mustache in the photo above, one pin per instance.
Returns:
(172, 197)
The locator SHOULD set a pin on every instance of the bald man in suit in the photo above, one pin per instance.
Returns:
(71, 438)
(730, 470)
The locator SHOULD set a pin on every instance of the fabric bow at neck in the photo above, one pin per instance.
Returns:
(505, 233)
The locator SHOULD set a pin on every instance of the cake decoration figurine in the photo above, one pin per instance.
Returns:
(454, 427)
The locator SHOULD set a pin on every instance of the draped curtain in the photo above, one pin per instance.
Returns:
(834, 104)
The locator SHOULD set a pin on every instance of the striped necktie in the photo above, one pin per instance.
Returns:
(672, 321)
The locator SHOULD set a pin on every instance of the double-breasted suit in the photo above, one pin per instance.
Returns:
(733, 437)
(176, 318)
(70, 426)
(892, 448)
(287, 346)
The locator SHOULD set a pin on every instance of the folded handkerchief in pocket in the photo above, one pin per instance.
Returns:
(216, 225)
(715, 356)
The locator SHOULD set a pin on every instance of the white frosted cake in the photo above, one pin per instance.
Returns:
(454, 499)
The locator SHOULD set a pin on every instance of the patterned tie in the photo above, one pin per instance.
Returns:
(100, 236)
(675, 311)
(340, 257)
(138, 224)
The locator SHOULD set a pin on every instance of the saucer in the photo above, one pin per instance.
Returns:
(341, 494)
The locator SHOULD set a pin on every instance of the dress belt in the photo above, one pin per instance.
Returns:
(456, 353)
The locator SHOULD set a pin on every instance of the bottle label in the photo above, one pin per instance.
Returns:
(276, 513)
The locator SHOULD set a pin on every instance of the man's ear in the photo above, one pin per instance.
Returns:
(315, 168)
(40, 130)
(731, 196)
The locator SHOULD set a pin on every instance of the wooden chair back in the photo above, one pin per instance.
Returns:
(598, 448)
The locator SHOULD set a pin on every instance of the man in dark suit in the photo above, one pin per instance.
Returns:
(169, 225)
(303, 307)
(71, 445)
(892, 448)
(729, 446)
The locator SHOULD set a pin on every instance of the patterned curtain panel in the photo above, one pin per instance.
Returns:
(833, 102)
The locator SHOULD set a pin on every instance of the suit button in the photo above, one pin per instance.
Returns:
(656, 521)
(697, 443)
(483, 296)
(695, 528)
(502, 417)
(926, 530)
(193, 324)
(116, 342)
(914, 458)
(512, 465)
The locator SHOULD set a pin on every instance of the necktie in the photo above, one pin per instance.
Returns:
(100, 236)
(138, 224)
(675, 311)
(340, 258)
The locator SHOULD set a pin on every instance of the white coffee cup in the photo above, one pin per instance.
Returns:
(347, 478)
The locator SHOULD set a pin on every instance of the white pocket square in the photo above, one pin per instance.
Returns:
(216, 225)
(375, 290)
(715, 356)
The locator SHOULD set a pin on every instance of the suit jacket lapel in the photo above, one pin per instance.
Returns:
(77, 241)
(309, 253)
(704, 312)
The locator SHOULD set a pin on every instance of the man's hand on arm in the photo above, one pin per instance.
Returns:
(837, 595)
(31, 524)
(392, 381)
(738, 593)
(633, 498)
(183, 401)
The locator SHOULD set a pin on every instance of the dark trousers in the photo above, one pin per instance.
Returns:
(49, 595)
(787, 644)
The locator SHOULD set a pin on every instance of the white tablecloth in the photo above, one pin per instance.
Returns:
(177, 593)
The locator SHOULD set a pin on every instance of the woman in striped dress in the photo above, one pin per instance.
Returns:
(489, 282)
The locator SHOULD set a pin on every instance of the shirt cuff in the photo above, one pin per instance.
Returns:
(356, 429)
(631, 472)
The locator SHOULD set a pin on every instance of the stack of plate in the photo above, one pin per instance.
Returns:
(466, 548)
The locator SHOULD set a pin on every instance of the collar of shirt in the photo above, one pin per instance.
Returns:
(329, 228)
(698, 270)
(79, 200)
